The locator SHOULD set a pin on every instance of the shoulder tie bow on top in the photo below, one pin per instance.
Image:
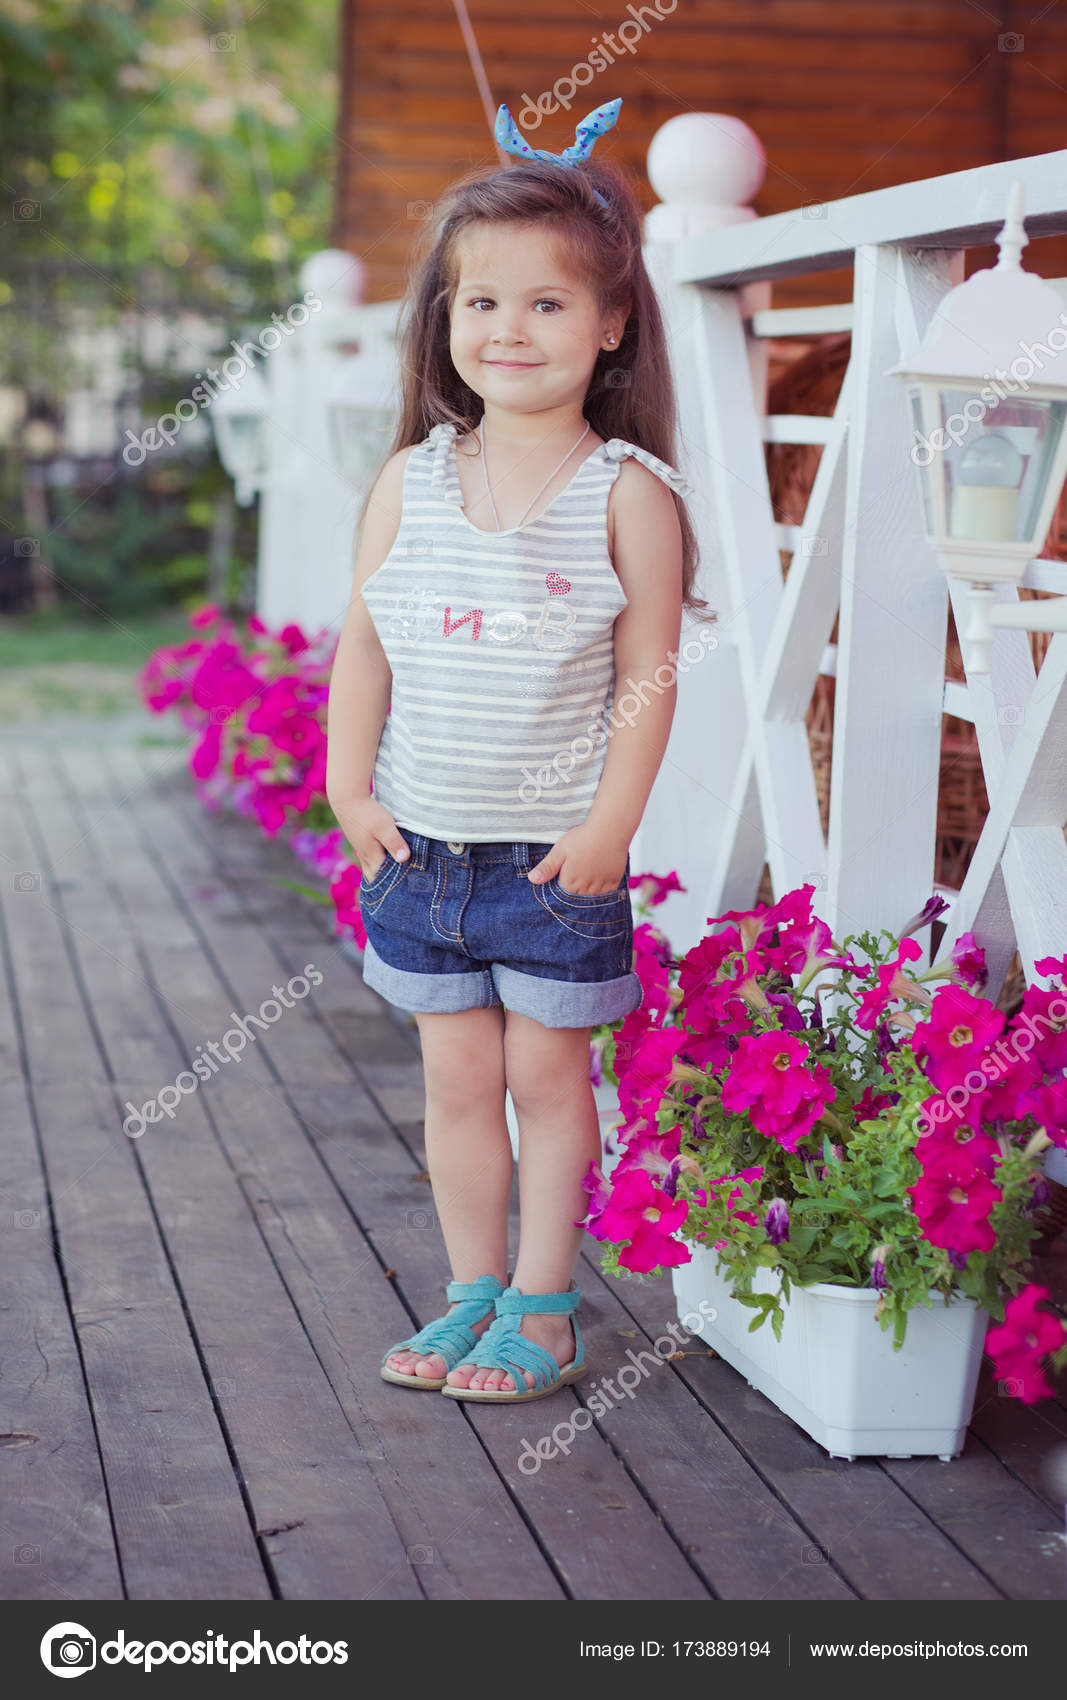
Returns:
(616, 448)
(439, 440)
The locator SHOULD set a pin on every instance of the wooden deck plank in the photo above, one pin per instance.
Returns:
(307, 1484)
(479, 1544)
(600, 1509)
(55, 1522)
(886, 1520)
(170, 1496)
(1031, 1440)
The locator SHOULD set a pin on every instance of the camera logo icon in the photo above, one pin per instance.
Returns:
(68, 1649)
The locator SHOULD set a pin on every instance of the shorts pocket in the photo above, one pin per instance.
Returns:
(374, 891)
(599, 897)
(607, 915)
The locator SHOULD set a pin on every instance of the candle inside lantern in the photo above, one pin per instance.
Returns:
(985, 499)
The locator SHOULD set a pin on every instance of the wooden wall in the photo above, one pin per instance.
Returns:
(845, 96)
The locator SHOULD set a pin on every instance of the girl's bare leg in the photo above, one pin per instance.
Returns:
(468, 1152)
(547, 1073)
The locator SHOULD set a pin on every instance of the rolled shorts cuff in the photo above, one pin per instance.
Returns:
(428, 994)
(555, 1003)
(567, 1003)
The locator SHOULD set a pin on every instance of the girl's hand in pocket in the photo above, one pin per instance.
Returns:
(373, 834)
(594, 865)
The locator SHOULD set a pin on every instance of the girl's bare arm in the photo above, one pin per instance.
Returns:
(646, 552)
(647, 557)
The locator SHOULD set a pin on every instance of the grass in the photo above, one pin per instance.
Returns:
(56, 636)
(54, 665)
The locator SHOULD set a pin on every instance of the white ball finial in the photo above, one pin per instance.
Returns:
(338, 278)
(705, 167)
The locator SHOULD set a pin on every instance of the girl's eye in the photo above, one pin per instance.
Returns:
(544, 298)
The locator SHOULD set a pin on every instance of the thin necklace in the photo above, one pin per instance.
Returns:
(544, 487)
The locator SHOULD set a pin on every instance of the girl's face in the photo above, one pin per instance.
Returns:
(525, 331)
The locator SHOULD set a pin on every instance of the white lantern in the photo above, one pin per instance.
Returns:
(239, 417)
(988, 398)
(362, 409)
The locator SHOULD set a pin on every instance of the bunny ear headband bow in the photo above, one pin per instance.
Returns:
(595, 124)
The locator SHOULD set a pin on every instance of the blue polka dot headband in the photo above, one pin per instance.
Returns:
(595, 124)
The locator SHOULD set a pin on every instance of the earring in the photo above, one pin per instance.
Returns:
(611, 342)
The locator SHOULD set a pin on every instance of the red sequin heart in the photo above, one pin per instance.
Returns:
(557, 586)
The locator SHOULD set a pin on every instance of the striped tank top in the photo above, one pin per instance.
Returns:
(501, 647)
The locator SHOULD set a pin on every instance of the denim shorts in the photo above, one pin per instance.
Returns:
(459, 926)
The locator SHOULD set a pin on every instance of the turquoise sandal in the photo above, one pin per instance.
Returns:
(503, 1346)
(449, 1336)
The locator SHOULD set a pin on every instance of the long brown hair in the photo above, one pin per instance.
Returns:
(631, 391)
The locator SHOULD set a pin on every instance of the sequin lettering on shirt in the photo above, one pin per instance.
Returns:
(415, 615)
(551, 633)
(473, 614)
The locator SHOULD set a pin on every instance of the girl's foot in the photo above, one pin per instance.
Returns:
(433, 1367)
(552, 1332)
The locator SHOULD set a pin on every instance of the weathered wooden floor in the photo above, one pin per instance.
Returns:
(192, 1321)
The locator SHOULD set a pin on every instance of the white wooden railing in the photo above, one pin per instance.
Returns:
(738, 786)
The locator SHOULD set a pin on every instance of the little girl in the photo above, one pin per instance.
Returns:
(523, 546)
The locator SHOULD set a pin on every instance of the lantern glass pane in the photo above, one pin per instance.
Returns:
(926, 472)
(245, 443)
(995, 461)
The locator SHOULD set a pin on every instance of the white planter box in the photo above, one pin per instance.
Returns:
(835, 1371)
(607, 1101)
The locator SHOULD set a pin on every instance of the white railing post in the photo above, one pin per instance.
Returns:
(305, 522)
(705, 167)
(892, 620)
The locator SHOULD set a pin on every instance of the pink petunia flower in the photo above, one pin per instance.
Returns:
(1041, 1019)
(697, 975)
(653, 889)
(754, 926)
(773, 1079)
(1018, 1344)
(953, 1200)
(638, 1212)
(871, 1105)
(647, 1148)
(598, 1187)
(891, 983)
(957, 1031)
(647, 1074)
(1048, 1106)
(205, 616)
(345, 893)
(807, 949)
(968, 959)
